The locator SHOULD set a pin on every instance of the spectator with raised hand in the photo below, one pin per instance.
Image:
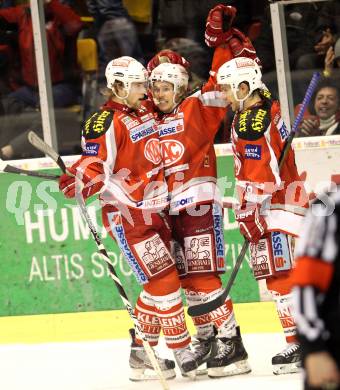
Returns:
(325, 112)
(332, 60)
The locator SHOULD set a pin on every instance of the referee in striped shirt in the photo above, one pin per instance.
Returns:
(316, 294)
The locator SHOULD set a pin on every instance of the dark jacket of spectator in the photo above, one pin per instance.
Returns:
(330, 18)
(103, 10)
(301, 22)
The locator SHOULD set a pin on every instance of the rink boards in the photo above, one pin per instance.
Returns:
(49, 262)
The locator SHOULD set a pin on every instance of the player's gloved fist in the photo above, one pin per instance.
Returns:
(69, 184)
(219, 22)
(251, 223)
(241, 45)
(167, 56)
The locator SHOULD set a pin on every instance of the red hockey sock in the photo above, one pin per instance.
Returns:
(280, 291)
(170, 312)
(147, 318)
(224, 319)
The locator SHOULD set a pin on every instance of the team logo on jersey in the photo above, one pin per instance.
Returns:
(154, 255)
(143, 130)
(172, 151)
(281, 252)
(176, 126)
(152, 151)
(253, 152)
(282, 130)
(91, 149)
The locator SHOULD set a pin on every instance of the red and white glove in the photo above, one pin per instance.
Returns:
(218, 26)
(251, 223)
(88, 186)
(241, 45)
(167, 56)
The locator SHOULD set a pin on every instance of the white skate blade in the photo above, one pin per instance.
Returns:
(238, 368)
(146, 374)
(291, 368)
(200, 371)
(190, 374)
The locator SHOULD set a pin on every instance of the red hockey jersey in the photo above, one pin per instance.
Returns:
(121, 148)
(258, 138)
(187, 143)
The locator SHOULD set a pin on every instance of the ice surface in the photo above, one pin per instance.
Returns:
(103, 365)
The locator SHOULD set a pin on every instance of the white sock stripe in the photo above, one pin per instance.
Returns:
(172, 314)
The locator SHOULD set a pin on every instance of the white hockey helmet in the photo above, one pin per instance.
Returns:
(127, 70)
(172, 73)
(238, 70)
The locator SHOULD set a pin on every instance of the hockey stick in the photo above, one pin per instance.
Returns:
(41, 145)
(4, 167)
(207, 307)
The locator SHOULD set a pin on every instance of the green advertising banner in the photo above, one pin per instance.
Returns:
(49, 262)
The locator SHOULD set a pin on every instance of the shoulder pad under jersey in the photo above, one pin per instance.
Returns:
(97, 124)
(252, 124)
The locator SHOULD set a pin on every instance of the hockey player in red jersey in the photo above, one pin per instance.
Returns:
(121, 161)
(272, 202)
(187, 127)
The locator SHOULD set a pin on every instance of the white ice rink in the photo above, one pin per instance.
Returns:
(103, 365)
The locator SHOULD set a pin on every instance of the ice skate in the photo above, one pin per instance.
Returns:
(186, 361)
(231, 358)
(140, 366)
(203, 349)
(288, 361)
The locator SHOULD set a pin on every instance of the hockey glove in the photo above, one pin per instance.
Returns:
(218, 26)
(252, 225)
(88, 186)
(167, 56)
(241, 46)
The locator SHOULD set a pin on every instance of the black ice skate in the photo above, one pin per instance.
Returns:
(186, 361)
(140, 366)
(231, 357)
(288, 361)
(204, 349)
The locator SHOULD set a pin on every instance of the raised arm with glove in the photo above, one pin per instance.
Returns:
(219, 31)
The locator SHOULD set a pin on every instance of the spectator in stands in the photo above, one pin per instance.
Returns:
(115, 32)
(301, 22)
(6, 3)
(62, 27)
(325, 112)
(326, 33)
(332, 60)
(187, 18)
(20, 107)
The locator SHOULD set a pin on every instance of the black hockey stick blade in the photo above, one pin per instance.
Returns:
(207, 307)
(41, 145)
(4, 167)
